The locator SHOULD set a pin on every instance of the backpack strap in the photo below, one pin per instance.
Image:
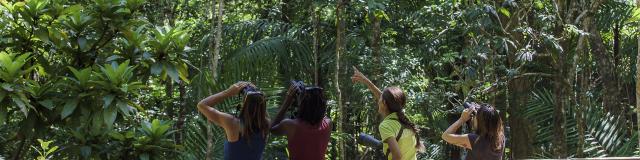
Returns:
(388, 151)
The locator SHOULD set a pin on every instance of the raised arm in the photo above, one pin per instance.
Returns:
(206, 106)
(359, 77)
(279, 128)
(457, 139)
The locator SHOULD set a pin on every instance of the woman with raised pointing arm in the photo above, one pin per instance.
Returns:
(399, 135)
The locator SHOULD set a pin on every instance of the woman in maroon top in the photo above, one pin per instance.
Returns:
(308, 133)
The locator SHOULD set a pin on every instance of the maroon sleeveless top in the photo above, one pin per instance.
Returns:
(309, 142)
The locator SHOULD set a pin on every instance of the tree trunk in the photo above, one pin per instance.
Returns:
(377, 69)
(375, 47)
(285, 9)
(218, 37)
(521, 129)
(579, 97)
(638, 82)
(340, 47)
(561, 83)
(209, 153)
(18, 154)
(561, 101)
(212, 13)
(605, 68)
(606, 72)
(214, 65)
(169, 91)
(582, 80)
(181, 112)
(316, 44)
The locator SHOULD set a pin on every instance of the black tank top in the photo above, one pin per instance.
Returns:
(481, 149)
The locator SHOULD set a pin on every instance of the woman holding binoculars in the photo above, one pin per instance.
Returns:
(308, 133)
(488, 141)
(247, 133)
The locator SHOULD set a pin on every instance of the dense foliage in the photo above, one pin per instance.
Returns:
(120, 79)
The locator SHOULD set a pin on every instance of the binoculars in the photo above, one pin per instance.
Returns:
(299, 91)
(248, 89)
(369, 141)
(473, 106)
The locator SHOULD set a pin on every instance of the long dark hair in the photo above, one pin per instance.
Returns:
(253, 115)
(313, 106)
(395, 100)
(490, 126)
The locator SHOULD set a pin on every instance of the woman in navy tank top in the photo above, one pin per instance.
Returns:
(308, 133)
(247, 133)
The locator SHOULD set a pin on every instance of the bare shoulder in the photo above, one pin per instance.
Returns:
(233, 124)
(289, 122)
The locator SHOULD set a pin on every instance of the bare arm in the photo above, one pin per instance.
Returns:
(394, 148)
(457, 139)
(359, 77)
(221, 119)
(281, 128)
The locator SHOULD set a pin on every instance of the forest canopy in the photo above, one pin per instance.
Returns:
(121, 79)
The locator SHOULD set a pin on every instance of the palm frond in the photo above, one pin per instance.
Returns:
(604, 135)
(195, 142)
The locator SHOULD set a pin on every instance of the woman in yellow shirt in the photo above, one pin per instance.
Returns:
(399, 134)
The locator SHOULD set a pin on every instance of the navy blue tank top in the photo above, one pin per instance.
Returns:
(244, 149)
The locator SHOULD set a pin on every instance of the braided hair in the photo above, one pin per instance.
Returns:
(395, 100)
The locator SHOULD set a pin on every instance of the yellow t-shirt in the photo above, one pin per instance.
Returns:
(389, 128)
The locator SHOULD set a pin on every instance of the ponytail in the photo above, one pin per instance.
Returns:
(395, 100)
(404, 121)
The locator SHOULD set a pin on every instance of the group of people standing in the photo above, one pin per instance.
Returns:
(308, 133)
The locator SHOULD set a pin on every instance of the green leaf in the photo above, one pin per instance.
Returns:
(173, 73)
(3, 114)
(82, 43)
(43, 35)
(81, 77)
(504, 11)
(69, 107)
(97, 121)
(107, 100)
(113, 58)
(53, 149)
(2, 95)
(21, 105)
(116, 135)
(183, 72)
(144, 156)
(85, 151)
(7, 87)
(72, 9)
(110, 115)
(124, 108)
(539, 5)
(47, 104)
(43, 144)
(156, 68)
